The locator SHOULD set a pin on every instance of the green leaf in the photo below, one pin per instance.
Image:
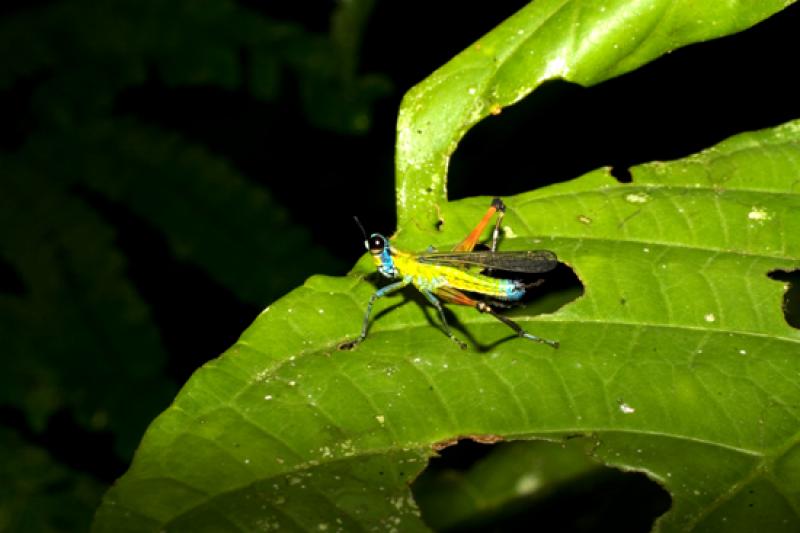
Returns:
(582, 41)
(677, 361)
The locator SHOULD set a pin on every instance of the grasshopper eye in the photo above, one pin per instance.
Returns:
(376, 244)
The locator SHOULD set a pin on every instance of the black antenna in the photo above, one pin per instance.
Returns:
(363, 232)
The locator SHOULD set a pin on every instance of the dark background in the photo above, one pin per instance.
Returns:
(167, 169)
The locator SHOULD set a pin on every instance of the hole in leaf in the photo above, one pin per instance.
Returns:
(791, 297)
(559, 287)
(346, 346)
(527, 485)
(562, 130)
(622, 173)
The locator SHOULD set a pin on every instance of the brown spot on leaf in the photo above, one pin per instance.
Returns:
(480, 439)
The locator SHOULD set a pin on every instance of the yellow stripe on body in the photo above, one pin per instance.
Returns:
(431, 277)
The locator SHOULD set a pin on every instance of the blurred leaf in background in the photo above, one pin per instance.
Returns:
(39, 493)
(97, 207)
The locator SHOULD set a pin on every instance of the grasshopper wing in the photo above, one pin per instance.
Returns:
(529, 261)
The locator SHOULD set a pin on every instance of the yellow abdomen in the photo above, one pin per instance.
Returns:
(431, 277)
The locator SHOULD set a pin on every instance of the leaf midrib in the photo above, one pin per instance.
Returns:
(555, 318)
(717, 190)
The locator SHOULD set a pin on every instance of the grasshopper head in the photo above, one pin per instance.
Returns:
(379, 248)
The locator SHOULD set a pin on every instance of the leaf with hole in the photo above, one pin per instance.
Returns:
(677, 360)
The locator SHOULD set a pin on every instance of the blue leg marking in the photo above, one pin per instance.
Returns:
(379, 293)
(485, 308)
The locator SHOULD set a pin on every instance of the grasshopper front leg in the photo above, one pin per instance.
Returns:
(378, 294)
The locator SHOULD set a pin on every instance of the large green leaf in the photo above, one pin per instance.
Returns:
(678, 360)
(582, 41)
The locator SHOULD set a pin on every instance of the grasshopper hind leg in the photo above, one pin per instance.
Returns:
(500, 208)
(451, 295)
(485, 308)
(438, 305)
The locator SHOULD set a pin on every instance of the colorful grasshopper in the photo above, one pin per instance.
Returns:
(444, 275)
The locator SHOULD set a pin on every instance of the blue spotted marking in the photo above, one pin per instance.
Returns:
(514, 290)
(386, 265)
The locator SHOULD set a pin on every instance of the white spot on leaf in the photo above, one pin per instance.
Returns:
(758, 214)
(637, 198)
(527, 484)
